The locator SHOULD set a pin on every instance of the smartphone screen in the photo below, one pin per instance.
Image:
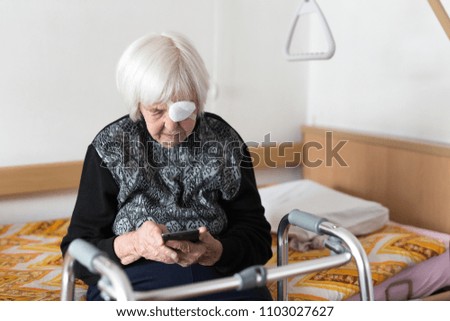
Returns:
(191, 235)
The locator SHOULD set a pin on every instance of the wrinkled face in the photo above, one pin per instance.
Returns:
(162, 128)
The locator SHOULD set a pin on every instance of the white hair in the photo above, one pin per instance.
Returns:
(159, 69)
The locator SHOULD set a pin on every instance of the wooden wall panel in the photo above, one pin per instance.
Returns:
(39, 178)
(411, 178)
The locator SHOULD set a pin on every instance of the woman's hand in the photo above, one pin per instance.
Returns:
(145, 242)
(206, 251)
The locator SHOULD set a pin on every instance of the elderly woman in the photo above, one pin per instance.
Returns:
(169, 166)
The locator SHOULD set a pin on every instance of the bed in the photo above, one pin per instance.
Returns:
(408, 178)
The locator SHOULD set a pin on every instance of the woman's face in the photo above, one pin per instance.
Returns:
(162, 128)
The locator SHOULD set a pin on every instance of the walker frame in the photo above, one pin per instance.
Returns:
(114, 283)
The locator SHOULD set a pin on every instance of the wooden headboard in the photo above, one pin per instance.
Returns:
(411, 178)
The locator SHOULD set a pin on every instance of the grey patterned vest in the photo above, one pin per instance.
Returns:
(180, 187)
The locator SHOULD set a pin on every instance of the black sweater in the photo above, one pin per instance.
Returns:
(118, 190)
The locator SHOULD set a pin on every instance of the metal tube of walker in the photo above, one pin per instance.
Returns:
(322, 226)
(235, 282)
(68, 278)
(358, 253)
(117, 283)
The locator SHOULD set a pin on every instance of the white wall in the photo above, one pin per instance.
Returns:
(58, 60)
(259, 91)
(37, 207)
(57, 65)
(390, 73)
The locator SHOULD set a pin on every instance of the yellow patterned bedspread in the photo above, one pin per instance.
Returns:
(30, 263)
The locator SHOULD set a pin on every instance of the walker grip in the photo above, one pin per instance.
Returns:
(249, 277)
(305, 220)
(84, 253)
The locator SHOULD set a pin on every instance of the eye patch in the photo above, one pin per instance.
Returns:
(181, 110)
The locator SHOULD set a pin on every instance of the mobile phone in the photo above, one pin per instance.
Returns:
(190, 235)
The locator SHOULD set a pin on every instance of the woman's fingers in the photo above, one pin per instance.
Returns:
(187, 259)
(213, 248)
(150, 245)
(183, 246)
(188, 252)
(206, 251)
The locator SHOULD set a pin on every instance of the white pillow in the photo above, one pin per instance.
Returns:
(359, 216)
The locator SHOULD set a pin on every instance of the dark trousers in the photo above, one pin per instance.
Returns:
(150, 275)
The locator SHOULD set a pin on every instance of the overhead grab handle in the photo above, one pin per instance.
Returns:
(310, 7)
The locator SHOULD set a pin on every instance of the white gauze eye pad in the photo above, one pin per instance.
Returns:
(181, 110)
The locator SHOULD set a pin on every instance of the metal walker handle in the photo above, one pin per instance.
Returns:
(320, 225)
(114, 282)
